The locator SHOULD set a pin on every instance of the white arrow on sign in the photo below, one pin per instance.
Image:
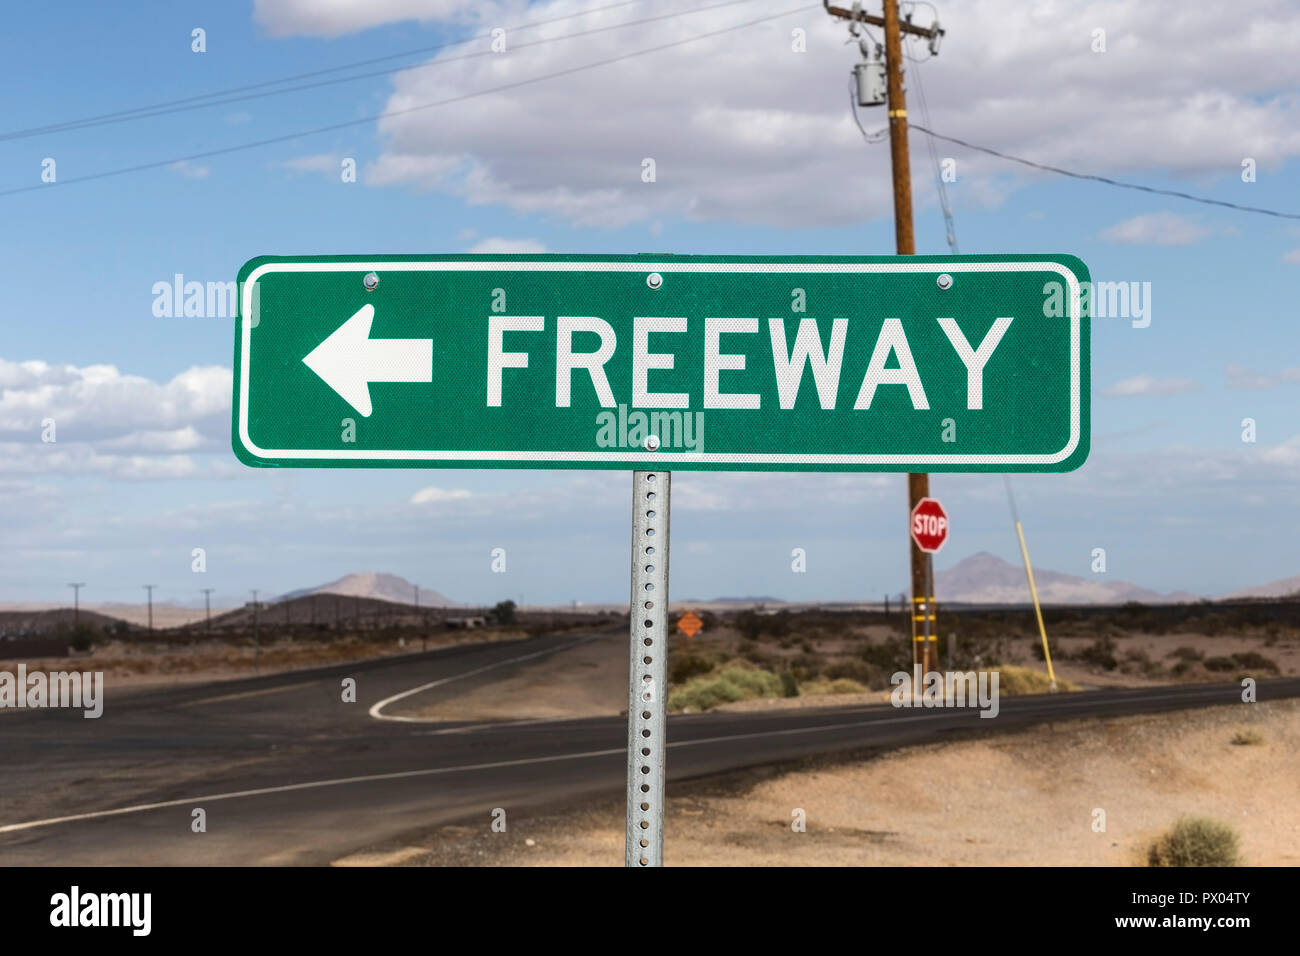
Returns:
(349, 360)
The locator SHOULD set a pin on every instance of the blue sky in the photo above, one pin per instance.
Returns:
(756, 154)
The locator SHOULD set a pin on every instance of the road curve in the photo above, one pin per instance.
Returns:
(287, 773)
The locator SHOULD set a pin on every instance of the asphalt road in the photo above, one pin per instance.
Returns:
(287, 773)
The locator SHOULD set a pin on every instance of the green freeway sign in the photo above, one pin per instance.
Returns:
(728, 363)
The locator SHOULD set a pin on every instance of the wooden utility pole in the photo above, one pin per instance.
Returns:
(924, 651)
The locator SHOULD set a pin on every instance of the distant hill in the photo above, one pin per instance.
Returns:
(1283, 587)
(43, 622)
(985, 578)
(381, 587)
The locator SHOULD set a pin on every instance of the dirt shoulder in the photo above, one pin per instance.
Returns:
(1028, 798)
(586, 680)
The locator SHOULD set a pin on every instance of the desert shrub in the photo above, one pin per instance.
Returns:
(749, 625)
(809, 662)
(1219, 663)
(1138, 660)
(1186, 653)
(1036, 648)
(842, 685)
(754, 626)
(1025, 680)
(855, 670)
(891, 655)
(1136, 616)
(682, 667)
(1254, 660)
(734, 681)
(1196, 841)
(1247, 737)
(789, 686)
(1100, 653)
(778, 625)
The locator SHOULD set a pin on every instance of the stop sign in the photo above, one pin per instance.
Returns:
(929, 525)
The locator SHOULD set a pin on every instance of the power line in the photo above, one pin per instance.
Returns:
(190, 104)
(55, 127)
(287, 137)
(1106, 179)
(950, 227)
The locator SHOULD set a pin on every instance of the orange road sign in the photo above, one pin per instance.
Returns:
(689, 624)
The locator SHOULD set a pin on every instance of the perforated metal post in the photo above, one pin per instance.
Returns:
(647, 671)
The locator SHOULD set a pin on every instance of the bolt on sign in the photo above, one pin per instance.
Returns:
(727, 363)
(690, 624)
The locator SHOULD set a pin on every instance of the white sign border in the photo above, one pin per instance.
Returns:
(664, 268)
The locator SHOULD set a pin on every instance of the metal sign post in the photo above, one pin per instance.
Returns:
(661, 363)
(647, 698)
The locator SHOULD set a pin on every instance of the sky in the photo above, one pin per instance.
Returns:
(539, 148)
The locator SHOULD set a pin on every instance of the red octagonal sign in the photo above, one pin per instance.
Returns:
(929, 525)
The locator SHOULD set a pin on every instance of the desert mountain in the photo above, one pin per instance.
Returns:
(382, 587)
(1283, 587)
(984, 578)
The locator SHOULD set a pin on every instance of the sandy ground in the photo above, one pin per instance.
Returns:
(1027, 798)
(1285, 652)
(588, 680)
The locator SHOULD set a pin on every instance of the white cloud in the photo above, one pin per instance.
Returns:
(188, 170)
(326, 163)
(98, 401)
(173, 440)
(1245, 378)
(1292, 257)
(743, 129)
(1157, 229)
(109, 424)
(507, 246)
(82, 460)
(329, 18)
(435, 495)
(1285, 454)
(1150, 385)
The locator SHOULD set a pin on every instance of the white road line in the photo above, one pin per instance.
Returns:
(287, 788)
(376, 711)
(404, 774)
(247, 693)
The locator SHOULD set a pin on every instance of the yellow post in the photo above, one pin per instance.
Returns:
(1033, 590)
